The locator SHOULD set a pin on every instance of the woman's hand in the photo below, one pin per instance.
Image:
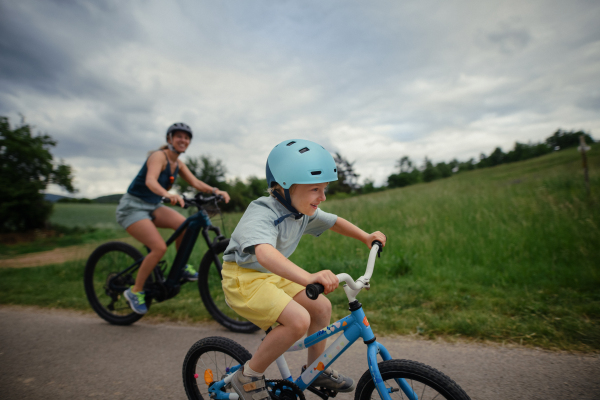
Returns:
(175, 199)
(376, 236)
(326, 278)
(224, 194)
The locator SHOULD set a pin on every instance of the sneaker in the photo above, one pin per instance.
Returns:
(137, 301)
(190, 273)
(249, 387)
(333, 380)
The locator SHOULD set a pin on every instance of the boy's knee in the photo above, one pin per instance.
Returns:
(300, 324)
(322, 310)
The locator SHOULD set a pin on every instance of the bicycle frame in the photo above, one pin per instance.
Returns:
(193, 226)
(353, 326)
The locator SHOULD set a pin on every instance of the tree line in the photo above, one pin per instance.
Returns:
(27, 167)
(409, 174)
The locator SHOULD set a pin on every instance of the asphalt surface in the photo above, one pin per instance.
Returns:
(51, 354)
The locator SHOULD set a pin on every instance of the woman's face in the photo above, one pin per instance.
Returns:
(306, 198)
(180, 140)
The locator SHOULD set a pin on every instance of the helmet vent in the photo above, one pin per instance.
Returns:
(290, 143)
(304, 150)
(315, 173)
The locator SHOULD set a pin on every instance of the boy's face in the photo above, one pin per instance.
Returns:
(306, 198)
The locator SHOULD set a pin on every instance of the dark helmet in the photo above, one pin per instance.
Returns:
(179, 126)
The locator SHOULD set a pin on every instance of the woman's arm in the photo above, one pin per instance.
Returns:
(347, 228)
(197, 184)
(275, 262)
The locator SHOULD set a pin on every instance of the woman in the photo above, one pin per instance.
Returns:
(140, 210)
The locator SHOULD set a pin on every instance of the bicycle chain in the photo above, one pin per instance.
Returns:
(285, 388)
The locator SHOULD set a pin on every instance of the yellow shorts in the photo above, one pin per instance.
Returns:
(259, 297)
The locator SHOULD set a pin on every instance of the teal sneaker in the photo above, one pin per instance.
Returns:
(190, 274)
(137, 301)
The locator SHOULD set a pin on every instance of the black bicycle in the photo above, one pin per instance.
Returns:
(111, 268)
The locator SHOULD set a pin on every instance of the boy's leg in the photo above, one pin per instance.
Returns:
(294, 321)
(320, 316)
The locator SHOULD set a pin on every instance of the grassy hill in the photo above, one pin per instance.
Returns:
(509, 254)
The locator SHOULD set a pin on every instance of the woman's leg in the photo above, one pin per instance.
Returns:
(294, 321)
(320, 316)
(165, 217)
(145, 231)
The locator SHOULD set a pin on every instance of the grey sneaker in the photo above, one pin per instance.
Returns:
(249, 388)
(333, 380)
(137, 301)
(190, 273)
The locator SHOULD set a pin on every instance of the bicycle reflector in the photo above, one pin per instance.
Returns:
(208, 377)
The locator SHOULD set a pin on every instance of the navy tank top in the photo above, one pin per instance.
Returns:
(139, 189)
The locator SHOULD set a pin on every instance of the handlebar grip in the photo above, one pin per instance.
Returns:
(377, 242)
(313, 290)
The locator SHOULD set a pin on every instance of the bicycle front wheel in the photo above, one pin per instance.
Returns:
(425, 383)
(211, 292)
(104, 281)
(210, 358)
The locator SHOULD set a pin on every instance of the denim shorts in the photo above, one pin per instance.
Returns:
(133, 209)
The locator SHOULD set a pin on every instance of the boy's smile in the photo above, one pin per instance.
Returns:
(307, 197)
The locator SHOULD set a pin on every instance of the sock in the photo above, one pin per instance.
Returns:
(249, 372)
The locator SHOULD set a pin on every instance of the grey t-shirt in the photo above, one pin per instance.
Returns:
(257, 227)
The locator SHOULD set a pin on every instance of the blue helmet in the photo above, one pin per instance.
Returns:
(300, 161)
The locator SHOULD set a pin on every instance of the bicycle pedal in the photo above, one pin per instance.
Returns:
(322, 392)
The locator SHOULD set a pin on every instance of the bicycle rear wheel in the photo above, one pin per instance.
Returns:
(104, 285)
(426, 382)
(211, 292)
(211, 356)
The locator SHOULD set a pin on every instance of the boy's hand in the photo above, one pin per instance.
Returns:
(376, 236)
(327, 279)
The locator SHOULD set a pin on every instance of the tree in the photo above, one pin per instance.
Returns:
(407, 175)
(212, 172)
(404, 164)
(26, 169)
(347, 178)
(563, 139)
(430, 172)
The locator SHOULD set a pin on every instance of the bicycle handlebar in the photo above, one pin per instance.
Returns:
(197, 200)
(313, 290)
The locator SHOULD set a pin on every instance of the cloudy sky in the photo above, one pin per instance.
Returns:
(373, 80)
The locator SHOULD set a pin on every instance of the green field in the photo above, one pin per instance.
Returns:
(506, 254)
(99, 216)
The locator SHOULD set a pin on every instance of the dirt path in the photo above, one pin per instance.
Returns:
(56, 256)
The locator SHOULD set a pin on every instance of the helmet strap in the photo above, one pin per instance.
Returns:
(170, 146)
(287, 203)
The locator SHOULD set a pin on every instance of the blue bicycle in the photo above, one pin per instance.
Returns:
(211, 362)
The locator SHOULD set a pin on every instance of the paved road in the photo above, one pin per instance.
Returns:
(53, 354)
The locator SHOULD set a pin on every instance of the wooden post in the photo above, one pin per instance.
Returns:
(583, 148)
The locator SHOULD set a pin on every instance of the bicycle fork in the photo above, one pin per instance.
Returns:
(373, 349)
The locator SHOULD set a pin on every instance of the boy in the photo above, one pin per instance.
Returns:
(259, 281)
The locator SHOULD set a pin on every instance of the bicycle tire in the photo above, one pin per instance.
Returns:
(211, 292)
(427, 382)
(214, 353)
(111, 258)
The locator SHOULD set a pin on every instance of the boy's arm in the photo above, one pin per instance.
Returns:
(275, 262)
(347, 228)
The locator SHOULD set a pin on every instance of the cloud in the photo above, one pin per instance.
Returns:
(373, 81)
